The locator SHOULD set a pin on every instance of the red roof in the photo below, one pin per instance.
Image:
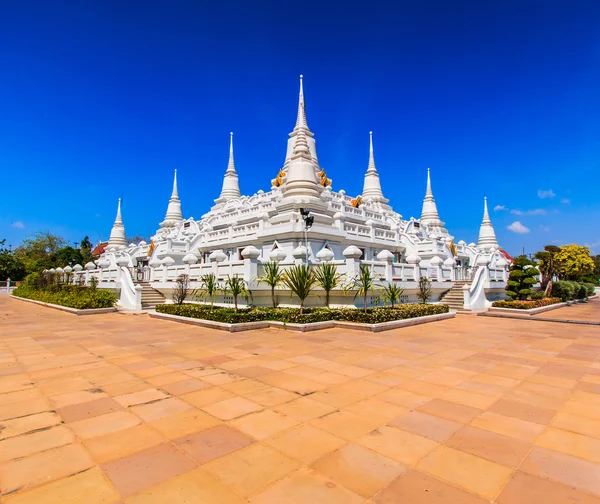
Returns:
(507, 255)
(98, 249)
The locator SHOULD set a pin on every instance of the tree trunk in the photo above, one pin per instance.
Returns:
(273, 295)
(327, 299)
(235, 304)
(302, 307)
(365, 302)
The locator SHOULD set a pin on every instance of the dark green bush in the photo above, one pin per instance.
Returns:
(563, 289)
(526, 305)
(81, 298)
(293, 316)
(590, 288)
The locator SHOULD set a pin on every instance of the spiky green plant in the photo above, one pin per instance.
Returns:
(301, 280)
(363, 283)
(210, 288)
(391, 293)
(237, 287)
(328, 278)
(272, 276)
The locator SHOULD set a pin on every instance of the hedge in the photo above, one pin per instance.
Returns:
(292, 315)
(81, 298)
(526, 305)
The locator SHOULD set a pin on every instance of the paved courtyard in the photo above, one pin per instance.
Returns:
(125, 409)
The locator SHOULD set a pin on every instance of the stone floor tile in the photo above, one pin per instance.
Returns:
(167, 378)
(429, 426)
(184, 423)
(423, 388)
(21, 409)
(271, 396)
(524, 411)
(160, 409)
(397, 444)
(127, 387)
(450, 410)
(195, 486)
(135, 473)
(251, 469)
(141, 397)
(571, 443)
(185, 386)
(575, 423)
(90, 487)
(417, 487)
(264, 424)
(304, 409)
(468, 398)
(447, 377)
(43, 467)
(28, 423)
(29, 444)
(467, 471)
(404, 398)
(122, 443)
(232, 408)
(345, 424)
(509, 426)
(90, 409)
(19, 396)
(377, 410)
(305, 486)
(359, 469)
(104, 424)
(582, 409)
(205, 397)
(305, 443)
(245, 387)
(81, 396)
(214, 442)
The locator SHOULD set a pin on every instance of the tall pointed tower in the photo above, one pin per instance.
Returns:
(487, 235)
(117, 233)
(301, 180)
(231, 186)
(372, 185)
(174, 215)
(429, 213)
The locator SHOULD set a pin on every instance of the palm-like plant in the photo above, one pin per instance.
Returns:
(237, 287)
(301, 281)
(210, 288)
(392, 293)
(363, 283)
(272, 276)
(328, 279)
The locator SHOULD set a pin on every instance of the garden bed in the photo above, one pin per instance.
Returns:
(75, 311)
(529, 308)
(374, 319)
(69, 296)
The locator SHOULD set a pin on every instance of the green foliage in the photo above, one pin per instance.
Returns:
(391, 293)
(527, 305)
(563, 289)
(295, 316)
(545, 264)
(522, 276)
(81, 298)
(573, 262)
(328, 279)
(301, 280)
(363, 283)
(182, 289)
(272, 276)
(425, 289)
(210, 288)
(10, 265)
(590, 288)
(237, 287)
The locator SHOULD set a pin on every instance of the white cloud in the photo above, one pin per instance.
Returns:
(565, 201)
(18, 225)
(546, 194)
(517, 227)
(498, 208)
(545, 228)
(535, 211)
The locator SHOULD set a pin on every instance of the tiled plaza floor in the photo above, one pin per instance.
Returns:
(588, 311)
(122, 408)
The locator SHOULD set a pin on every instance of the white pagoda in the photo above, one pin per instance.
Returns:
(240, 233)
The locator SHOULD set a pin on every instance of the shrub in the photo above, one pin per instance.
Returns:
(81, 298)
(328, 279)
(293, 315)
(563, 290)
(272, 276)
(424, 293)
(522, 276)
(363, 282)
(182, 289)
(526, 305)
(301, 280)
(590, 288)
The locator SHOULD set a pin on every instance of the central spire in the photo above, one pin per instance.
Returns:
(301, 118)
(487, 235)
(117, 233)
(372, 185)
(174, 214)
(429, 213)
(231, 186)
(301, 180)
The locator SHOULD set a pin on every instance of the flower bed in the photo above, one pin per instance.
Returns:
(81, 298)
(526, 305)
(310, 315)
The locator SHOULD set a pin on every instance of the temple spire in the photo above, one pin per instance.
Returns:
(372, 185)
(117, 233)
(174, 214)
(429, 213)
(301, 180)
(487, 235)
(301, 118)
(231, 186)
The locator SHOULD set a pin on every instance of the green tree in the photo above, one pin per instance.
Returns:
(38, 252)
(363, 283)
(272, 276)
(545, 264)
(10, 265)
(237, 287)
(68, 256)
(573, 262)
(301, 280)
(391, 293)
(210, 288)
(521, 278)
(328, 278)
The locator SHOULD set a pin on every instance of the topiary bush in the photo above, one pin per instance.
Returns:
(293, 315)
(81, 298)
(522, 277)
(563, 290)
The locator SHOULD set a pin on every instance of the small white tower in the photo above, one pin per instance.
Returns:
(487, 235)
(301, 180)
(174, 215)
(429, 213)
(117, 233)
(231, 185)
(372, 185)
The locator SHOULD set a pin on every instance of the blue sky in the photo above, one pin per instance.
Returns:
(104, 99)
